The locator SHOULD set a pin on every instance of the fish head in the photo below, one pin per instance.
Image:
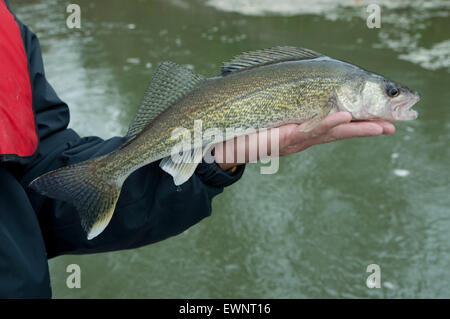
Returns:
(374, 97)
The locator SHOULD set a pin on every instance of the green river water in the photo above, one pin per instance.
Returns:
(311, 230)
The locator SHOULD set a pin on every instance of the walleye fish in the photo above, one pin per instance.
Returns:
(261, 89)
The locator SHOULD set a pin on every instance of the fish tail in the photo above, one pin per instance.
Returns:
(93, 194)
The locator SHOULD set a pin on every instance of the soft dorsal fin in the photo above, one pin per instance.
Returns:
(273, 55)
(170, 82)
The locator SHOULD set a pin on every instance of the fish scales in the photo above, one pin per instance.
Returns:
(261, 89)
(236, 101)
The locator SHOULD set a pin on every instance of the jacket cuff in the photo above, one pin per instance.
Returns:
(213, 175)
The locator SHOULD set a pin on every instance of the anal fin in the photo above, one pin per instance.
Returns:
(183, 168)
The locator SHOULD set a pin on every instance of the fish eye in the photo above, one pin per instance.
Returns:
(393, 92)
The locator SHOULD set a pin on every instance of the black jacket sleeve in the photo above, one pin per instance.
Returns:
(150, 207)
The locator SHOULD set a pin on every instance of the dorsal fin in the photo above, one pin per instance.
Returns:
(273, 55)
(170, 82)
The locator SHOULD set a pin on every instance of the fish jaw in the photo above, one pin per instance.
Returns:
(401, 110)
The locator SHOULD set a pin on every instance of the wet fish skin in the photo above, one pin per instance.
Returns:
(246, 100)
(261, 95)
(269, 96)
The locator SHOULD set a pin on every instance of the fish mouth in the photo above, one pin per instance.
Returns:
(402, 110)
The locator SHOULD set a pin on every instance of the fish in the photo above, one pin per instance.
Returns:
(260, 89)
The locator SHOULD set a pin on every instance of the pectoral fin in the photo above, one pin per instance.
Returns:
(329, 108)
(310, 125)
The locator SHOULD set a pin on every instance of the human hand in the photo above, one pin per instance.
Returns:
(292, 139)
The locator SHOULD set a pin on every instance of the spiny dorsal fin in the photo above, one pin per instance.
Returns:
(273, 55)
(170, 82)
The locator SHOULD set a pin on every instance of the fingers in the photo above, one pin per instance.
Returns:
(351, 130)
(331, 121)
(338, 126)
(322, 128)
(356, 129)
(388, 128)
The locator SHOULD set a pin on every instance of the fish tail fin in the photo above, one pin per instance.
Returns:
(92, 193)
